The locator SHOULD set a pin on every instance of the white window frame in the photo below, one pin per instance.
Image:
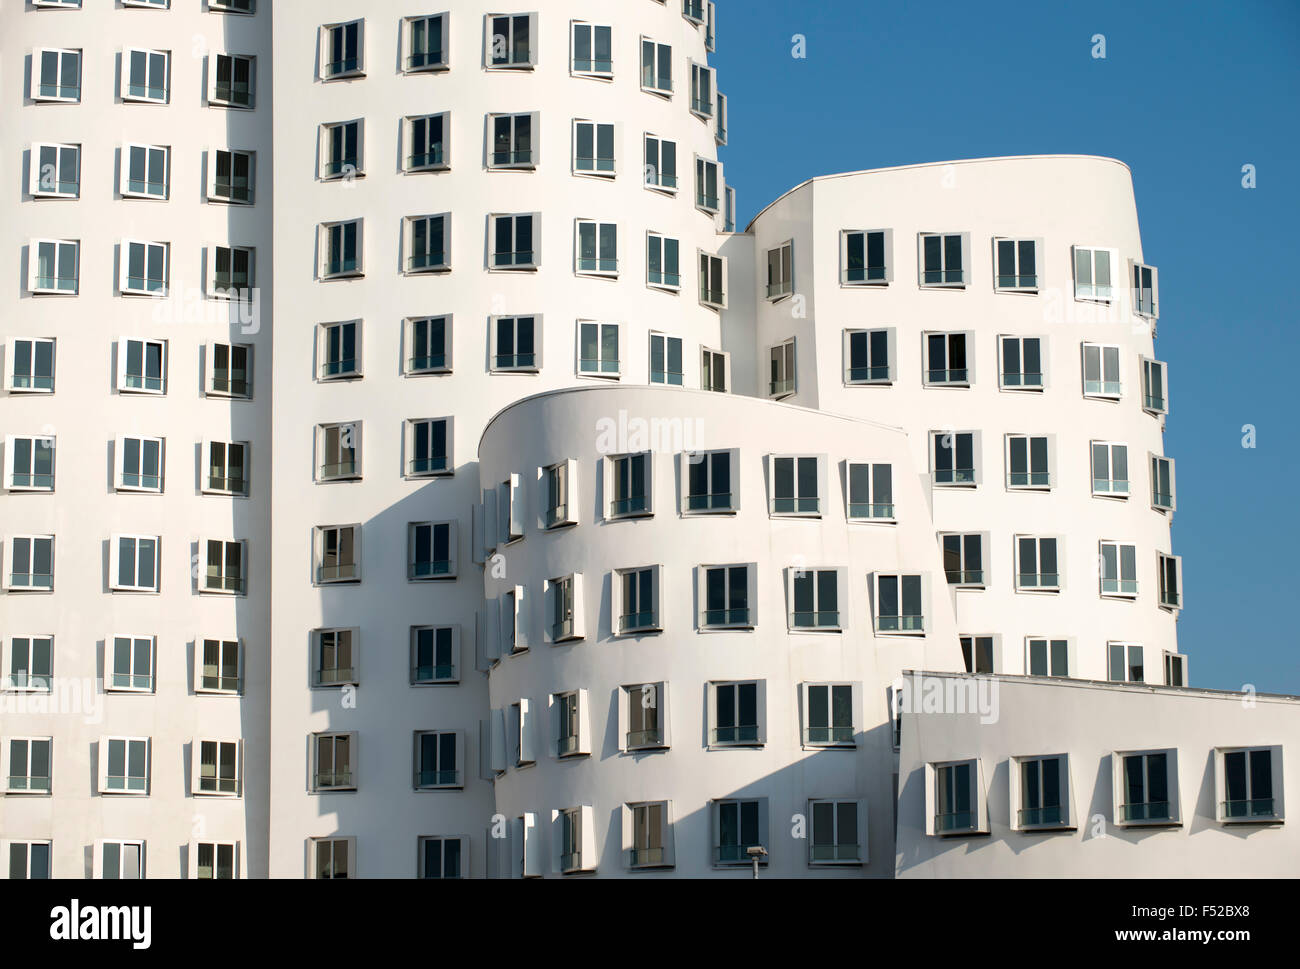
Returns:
(739, 858)
(600, 231)
(610, 464)
(759, 738)
(603, 368)
(1137, 271)
(594, 68)
(616, 138)
(1277, 812)
(114, 563)
(656, 179)
(215, 287)
(704, 167)
(800, 508)
(452, 550)
(35, 442)
(1117, 586)
(1017, 281)
(1089, 290)
(12, 680)
(9, 576)
(701, 106)
(124, 187)
(318, 554)
(228, 584)
(352, 780)
(1156, 406)
(648, 696)
(881, 512)
(566, 512)
(872, 369)
(1170, 599)
(125, 92)
(670, 378)
(1039, 586)
(25, 789)
(966, 578)
(653, 83)
(712, 363)
(840, 854)
(534, 141)
(1020, 817)
(38, 186)
(579, 745)
(215, 846)
(899, 624)
(346, 430)
(970, 649)
(206, 479)
(34, 87)
(408, 49)
(223, 747)
(1110, 486)
(214, 195)
(1108, 389)
(1120, 789)
(34, 285)
(454, 642)
(343, 272)
(1035, 479)
(101, 843)
(832, 737)
(650, 857)
(977, 795)
(333, 842)
(327, 43)
(489, 46)
(572, 627)
(494, 322)
(125, 285)
(329, 369)
(957, 475)
(212, 387)
(711, 265)
(781, 285)
(1175, 662)
(408, 244)
(416, 425)
(27, 383)
(1049, 643)
(439, 783)
(1154, 462)
(870, 277)
(137, 681)
(516, 264)
(727, 622)
(105, 743)
(944, 271)
(441, 159)
(1127, 651)
(408, 334)
(334, 638)
(840, 623)
(784, 359)
(6, 845)
(689, 459)
(213, 91)
(949, 376)
(221, 685)
(348, 168)
(655, 622)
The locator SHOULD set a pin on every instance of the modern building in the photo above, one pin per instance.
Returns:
(565, 529)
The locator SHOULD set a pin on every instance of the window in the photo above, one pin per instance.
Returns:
(29, 765)
(781, 370)
(1016, 265)
(429, 447)
(1037, 568)
(797, 483)
(232, 176)
(29, 463)
(738, 713)
(429, 345)
(957, 798)
(119, 859)
(232, 272)
(432, 552)
(31, 563)
(780, 271)
(1093, 272)
(231, 6)
(335, 657)
(510, 41)
(1146, 787)
(338, 449)
(828, 714)
(227, 569)
(660, 163)
(656, 67)
(29, 859)
(1162, 483)
(954, 458)
(340, 246)
(865, 257)
(132, 664)
(637, 594)
(339, 349)
(53, 266)
(342, 145)
(510, 504)
(899, 601)
(513, 244)
(338, 553)
(713, 270)
(597, 248)
(442, 858)
(711, 480)
(593, 148)
(55, 171)
(1022, 362)
(814, 597)
(514, 140)
(629, 481)
(575, 840)
(516, 343)
(1042, 799)
(715, 370)
(946, 359)
(426, 39)
(564, 605)
(598, 349)
(1146, 295)
(56, 75)
(1110, 469)
(214, 859)
(230, 370)
(227, 469)
(31, 366)
(666, 360)
(435, 653)
(710, 25)
(156, 4)
(963, 559)
(838, 830)
(144, 75)
(220, 666)
(145, 171)
(729, 595)
(1124, 661)
(1171, 581)
(693, 10)
(428, 143)
(437, 759)
(729, 209)
(1028, 462)
(1101, 376)
(332, 762)
(644, 711)
(942, 259)
(706, 185)
(662, 262)
(1175, 669)
(570, 724)
(427, 243)
(1048, 657)
(1118, 570)
(703, 83)
(560, 488)
(868, 355)
(592, 50)
(1249, 783)
(144, 268)
(979, 653)
(124, 765)
(216, 767)
(648, 835)
(871, 492)
(343, 52)
(31, 664)
(232, 84)
(142, 366)
(1154, 383)
(739, 825)
(332, 857)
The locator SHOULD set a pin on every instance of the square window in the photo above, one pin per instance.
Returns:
(713, 287)
(341, 250)
(338, 553)
(130, 660)
(219, 666)
(144, 268)
(342, 146)
(428, 243)
(1094, 272)
(660, 164)
(443, 857)
(428, 345)
(428, 142)
(729, 596)
(980, 653)
(943, 259)
(145, 75)
(1118, 570)
(813, 597)
(31, 664)
(648, 835)
(426, 43)
(233, 77)
(214, 859)
(217, 767)
(511, 41)
(343, 50)
(428, 446)
(593, 148)
(798, 483)
(628, 483)
(956, 795)
(124, 765)
(31, 564)
(514, 241)
(948, 361)
(1029, 462)
(55, 171)
(28, 859)
(963, 559)
(637, 600)
(1109, 469)
(740, 824)
(432, 550)
(439, 755)
(711, 482)
(31, 366)
(1040, 793)
(516, 344)
(1125, 662)
(56, 75)
(142, 366)
(119, 859)
(27, 769)
(1101, 375)
(53, 266)
(1015, 265)
(1048, 657)
(335, 657)
(738, 713)
(1248, 782)
(333, 765)
(828, 714)
(231, 174)
(596, 248)
(435, 655)
(954, 458)
(868, 355)
(230, 370)
(145, 171)
(900, 604)
(644, 717)
(870, 491)
(514, 140)
(866, 257)
(1146, 787)
(226, 468)
(338, 451)
(339, 350)
(666, 360)
(133, 563)
(29, 463)
(333, 857)
(1022, 362)
(598, 349)
(232, 272)
(1037, 564)
(226, 570)
(838, 834)
(656, 67)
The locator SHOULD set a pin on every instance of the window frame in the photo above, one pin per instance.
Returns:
(534, 141)
(489, 47)
(137, 681)
(139, 844)
(29, 383)
(36, 169)
(1276, 812)
(616, 139)
(891, 354)
(666, 339)
(649, 738)
(30, 782)
(729, 621)
(409, 324)
(1154, 462)
(411, 262)
(221, 677)
(351, 780)
(1119, 760)
(322, 432)
(1038, 574)
(32, 680)
(37, 70)
(956, 473)
(248, 197)
(594, 69)
(782, 287)
(1018, 282)
(441, 158)
(966, 578)
(348, 168)
(963, 377)
(976, 795)
(1092, 291)
(654, 621)
(440, 465)
(1155, 406)
(602, 369)
(637, 506)
(1043, 480)
(662, 182)
(841, 856)
(907, 625)
(30, 585)
(115, 564)
(408, 44)
(835, 736)
(453, 669)
(125, 164)
(712, 266)
(494, 324)
(965, 256)
(1049, 657)
(197, 788)
(319, 533)
(661, 856)
(357, 268)
(1170, 599)
(105, 744)
(229, 583)
(759, 736)
(35, 443)
(800, 508)
(440, 783)
(1023, 386)
(34, 280)
(654, 83)
(197, 846)
(1111, 489)
(516, 264)
(327, 43)
(838, 617)
(1022, 819)
(213, 64)
(689, 459)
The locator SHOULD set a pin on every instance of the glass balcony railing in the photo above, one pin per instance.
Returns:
(867, 509)
(669, 377)
(333, 778)
(1039, 580)
(796, 506)
(425, 59)
(739, 734)
(954, 476)
(346, 65)
(121, 782)
(29, 783)
(24, 381)
(1162, 501)
(652, 737)
(45, 482)
(587, 264)
(1147, 811)
(28, 682)
(562, 630)
(62, 283)
(428, 674)
(1028, 281)
(868, 374)
(342, 166)
(1029, 479)
(1022, 380)
(1153, 403)
(523, 259)
(629, 622)
(863, 274)
(1110, 486)
(132, 681)
(556, 515)
(237, 93)
(430, 361)
(1255, 808)
(1119, 587)
(514, 361)
(943, 277)
(31, 580)
(584, 164)
(961, 376)
(567, 745)
(726, 617)
(629, 506)
(900, 624)
(336, 573)
(815, 620)
(778, 387)
(234, 484)
(140, 186)
(1104, 388)
(718, 502)
(432, 158)
(828, 735)
(592, 65)
(964, 576)
(702, 106)
(591, 365)
(843, 852)
(334, 675)
(570, 861)
(437, 778)
(135, 381)
(435, 259)
(151, 92)
(954, 822)
(70, 92)
(234, 189)
(782, 288)
(429, 569)
(657, 278)
(224, 583)
(660, 179)
(218, 785)
(505, 159)
(645, 857)
(216, 681)
(339, 469)
(735, 855)
(430, 465)
(706, 201)
(235, 383)
(1040, 816)
(712, 297)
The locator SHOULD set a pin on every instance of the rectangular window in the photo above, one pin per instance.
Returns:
(645, 707)
(429, 346)
(1146, 295)
(514, 140)
(29, 765)
(1124, 663)
(597, 248)
(954, 457)
(429, 447)
(142, 366)
(343, 51)
(693, 10)
(737, 716)
(144, 268)
(56, 75)
(728, 596)
(780, 271)
(1017, 265)
(145, 171)
(963, 559)
(232, 176)
(572, 733)
(710, 26)
(230, 370)
(1093, 272)
(711, 481)
(864, 258)
(656, 67)
(1049, 657)
(336, 660)
(341, 147)
(662, 262)
(867, 356)
(1248, 785)
(443, 858)
(338, 448)
(1101, 376)
(54, 266)
(729, 209)
(216, 767)
(233, 82)
(226, 464)
(232, 6)
(516, 343)
(124, 765)
(720, 136)
(1037, 564)
(1171, 581)
(943, 259)
(132, 661)
(899, 604)
(592, 50)
(1022, 362)
(31, 563)
(593, 148)
(702, 89)
(1118, 569)
(1043, 791)
(713, 270)
(426, 43)
(836, 833)
(29, 463)
(31, 366)
(715, 368)
(564, 607)
(738, 826)
(956, 798)
(29, 859)
(560, 487)
(1028, 462)
(338, 553)
(797, 485)
(145, 75)
(232, 272)
(332, 762)
(666, 360)
(1110, 469)
(215, 859)
(428, 143)
(649, 842)
(437, 759)
(828, 714)
(638, 600)
(220, 667)
(227, 568)
(978, 652)
(340, 244)
(706, 185)
(598, 349)
(427, 243)
(119, 859)
(31, 664)
(432, 552)
(946, 359)
(511, 40)
(871, 492)
(513, 241)
(1154, 383)
(55, 171)
(1162, 483)
(781, 370)
(332, 858)
(433, 654)
(1175, 669)
(660, 163)
(1148, 787)
(339, 350)
(814, 596)
(629, 484)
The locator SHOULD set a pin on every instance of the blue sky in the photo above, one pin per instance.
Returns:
(1189, 92)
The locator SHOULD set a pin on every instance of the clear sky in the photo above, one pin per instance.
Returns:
(1189, 92)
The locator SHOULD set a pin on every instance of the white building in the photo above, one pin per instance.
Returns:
(424, 597)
